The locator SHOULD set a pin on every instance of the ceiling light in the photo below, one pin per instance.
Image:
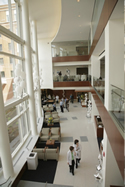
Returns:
(78, 1)
(79, 16)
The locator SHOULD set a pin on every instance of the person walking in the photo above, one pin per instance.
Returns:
(67, 104)
(77, 149)
(71, 159)
(54, 106)
(57, 98)
(61, 106)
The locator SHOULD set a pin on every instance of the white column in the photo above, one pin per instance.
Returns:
(110, 171)
(95, 67)
(5, 152)
(35, 45)
(28, 65)
(114, 63)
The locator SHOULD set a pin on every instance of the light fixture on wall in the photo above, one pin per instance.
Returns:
(78, 1)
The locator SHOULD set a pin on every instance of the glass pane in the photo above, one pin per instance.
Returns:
(99, 85)
(4, 14)
(11, 113)
(23, 124)
(96, 15)
(6, 44)
(9, 46)
(70, 48)
(14, 16)
(14, 135)
(17, 48)
(118, 105)
(7, 77)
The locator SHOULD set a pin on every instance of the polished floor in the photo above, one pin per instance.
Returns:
(75, 125)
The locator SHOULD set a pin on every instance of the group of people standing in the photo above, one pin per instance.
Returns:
(74, 156)
(64, 103)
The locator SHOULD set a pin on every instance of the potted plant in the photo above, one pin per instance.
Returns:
(50, 121)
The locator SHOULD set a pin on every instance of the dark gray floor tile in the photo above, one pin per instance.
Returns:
(66, 139)
(63, 119)
(84, 138)
(74, 118)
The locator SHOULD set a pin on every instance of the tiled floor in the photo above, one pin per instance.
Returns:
(82, 129)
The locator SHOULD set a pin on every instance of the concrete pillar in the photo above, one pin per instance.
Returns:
(35, 45)
(28, 65)
(5, 152)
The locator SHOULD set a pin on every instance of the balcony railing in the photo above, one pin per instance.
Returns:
(117, 105)
(70, 48)
(67, 78)
(99, 85)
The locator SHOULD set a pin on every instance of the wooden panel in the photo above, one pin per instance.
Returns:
(86, 90)
(70, 58)
(105, 15)
(72, 84)
(67, 93)
(99, 131)
(114, 136)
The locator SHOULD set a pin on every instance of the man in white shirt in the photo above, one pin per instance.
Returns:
(61, 106)
(57, 98)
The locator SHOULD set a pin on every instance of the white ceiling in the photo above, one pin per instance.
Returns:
(52, 14)
(72, 27)
(47, 13)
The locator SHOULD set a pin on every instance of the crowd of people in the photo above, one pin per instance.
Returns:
(74, 156)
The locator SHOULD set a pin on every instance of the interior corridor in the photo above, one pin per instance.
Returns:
(75, 125)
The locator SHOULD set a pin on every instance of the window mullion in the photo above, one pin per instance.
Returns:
(20, 126)
(10, 15)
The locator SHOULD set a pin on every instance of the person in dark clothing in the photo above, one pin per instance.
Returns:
(67, 104)
(61, 106)
(54, 106)
(71, 158)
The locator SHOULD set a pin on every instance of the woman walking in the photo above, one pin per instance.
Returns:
(77, 149)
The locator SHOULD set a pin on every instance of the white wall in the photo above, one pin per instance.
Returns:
(45, 62)
(63, 70)
(73, 69)
(110, 170)
(74, 63)
(114, 53)
(94, 109)
(95, 67)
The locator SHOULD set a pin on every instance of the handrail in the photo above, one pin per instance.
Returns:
(117, 87)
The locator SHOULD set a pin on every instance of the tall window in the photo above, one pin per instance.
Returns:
(14, 15)
(11, 61)
(1, 61)
(9, 46)
(12, 74)
(7, 16)
(0, 47)
(2, 74)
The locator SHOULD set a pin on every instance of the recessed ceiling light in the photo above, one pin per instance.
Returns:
(79, 16)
